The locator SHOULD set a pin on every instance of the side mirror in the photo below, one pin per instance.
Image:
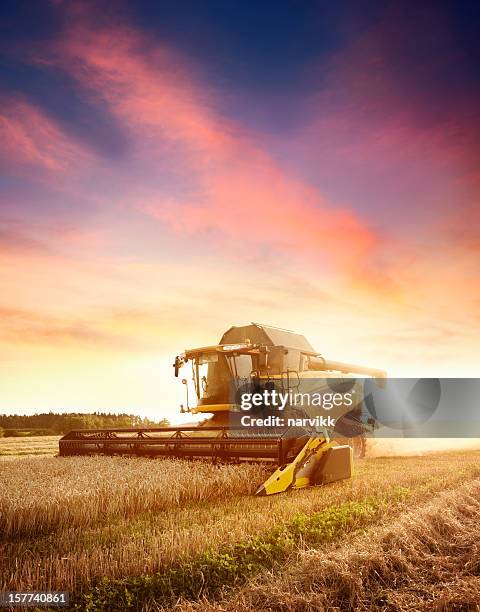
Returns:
(182, 408)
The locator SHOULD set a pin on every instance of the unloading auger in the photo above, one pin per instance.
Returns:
(260, 359)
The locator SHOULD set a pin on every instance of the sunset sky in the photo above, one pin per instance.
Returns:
(170, 169)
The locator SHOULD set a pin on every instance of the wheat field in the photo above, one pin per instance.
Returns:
(41, 495)
(29, 445)
(428, 559)
(135, 533)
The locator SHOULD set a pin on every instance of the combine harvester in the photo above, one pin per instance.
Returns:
(255, 357)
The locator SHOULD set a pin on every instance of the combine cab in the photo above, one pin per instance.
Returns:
(258, 359)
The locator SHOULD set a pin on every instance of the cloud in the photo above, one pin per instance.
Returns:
(383, 130)
(243, 199)
(30, 141)
(14, 241)
(46, 238)
(24, 326)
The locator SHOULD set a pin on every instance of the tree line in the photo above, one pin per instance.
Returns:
(52, 423)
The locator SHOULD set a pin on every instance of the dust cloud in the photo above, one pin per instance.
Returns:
(398, 447)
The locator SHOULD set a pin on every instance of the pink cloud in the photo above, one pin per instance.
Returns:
(243, 195)
(29, 139)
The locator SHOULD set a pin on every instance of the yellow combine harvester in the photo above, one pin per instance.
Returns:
(262, 361)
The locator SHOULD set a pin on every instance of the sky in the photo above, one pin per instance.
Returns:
(168, 170)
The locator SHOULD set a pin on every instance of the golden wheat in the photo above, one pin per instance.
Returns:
(44, 494)
(29, 445)
(72, 558)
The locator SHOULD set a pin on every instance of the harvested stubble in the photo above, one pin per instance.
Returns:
(428, 560)
(40, 495)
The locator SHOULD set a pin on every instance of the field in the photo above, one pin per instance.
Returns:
(122, 533)
(30, 445)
